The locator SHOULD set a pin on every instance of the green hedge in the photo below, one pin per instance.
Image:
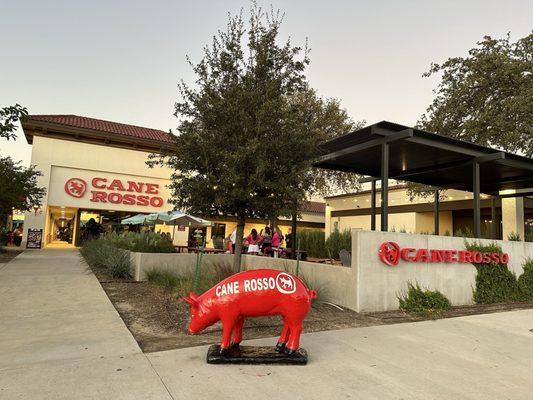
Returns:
(525, 281)
(100, 254)
(107, 252)
(423, 301)
(314, 242)
(146, 242)
(494, 282)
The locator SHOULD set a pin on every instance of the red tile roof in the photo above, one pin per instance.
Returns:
(313, 207)
(105, 126)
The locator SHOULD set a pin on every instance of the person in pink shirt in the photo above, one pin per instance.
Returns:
(253, 240)
(276, 242)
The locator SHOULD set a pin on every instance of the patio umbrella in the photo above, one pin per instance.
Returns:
(136, 219)
(179, 218)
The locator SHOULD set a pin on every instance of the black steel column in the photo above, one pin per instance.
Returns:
(436, 211)
(477, 202)
(373, 206)
(384, 187)
(493, 217)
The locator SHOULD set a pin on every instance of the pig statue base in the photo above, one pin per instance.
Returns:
(255, 355)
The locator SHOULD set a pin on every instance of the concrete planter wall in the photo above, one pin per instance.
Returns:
(378, 285)
(369, 285)
(180, 264)
(335, 283)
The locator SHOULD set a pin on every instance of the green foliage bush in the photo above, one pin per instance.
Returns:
(494, 282)
(166, 279)
(146, 242)
(466, 232)
(338, 241)
(181, 285)
(513, 237)
(314, 242)
(423, 301)
(525, 281)
(101, 254)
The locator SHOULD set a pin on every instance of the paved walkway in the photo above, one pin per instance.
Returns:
(60, 338)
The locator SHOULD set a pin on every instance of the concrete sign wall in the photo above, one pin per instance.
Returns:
(379, 284)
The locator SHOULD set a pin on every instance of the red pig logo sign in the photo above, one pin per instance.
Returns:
(253, 293)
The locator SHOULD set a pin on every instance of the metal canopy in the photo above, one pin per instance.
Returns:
(391, 151)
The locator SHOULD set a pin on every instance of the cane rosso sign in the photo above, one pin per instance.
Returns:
(390, 253)
(115, 191)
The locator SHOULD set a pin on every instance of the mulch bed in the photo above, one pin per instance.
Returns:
(157, 319)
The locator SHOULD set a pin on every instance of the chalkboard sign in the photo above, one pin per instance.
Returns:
(35, 237)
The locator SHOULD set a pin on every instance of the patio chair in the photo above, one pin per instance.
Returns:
(346, 258)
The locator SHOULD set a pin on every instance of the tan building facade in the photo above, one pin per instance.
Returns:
(352, 211)
(94, 169)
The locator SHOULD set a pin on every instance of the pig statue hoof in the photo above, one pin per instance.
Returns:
(235, 345)
(223, 351)
(280, 347)
(290, 352)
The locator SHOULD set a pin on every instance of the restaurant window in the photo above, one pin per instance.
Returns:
(218, 230)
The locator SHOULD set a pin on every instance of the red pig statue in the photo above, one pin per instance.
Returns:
(253, 293)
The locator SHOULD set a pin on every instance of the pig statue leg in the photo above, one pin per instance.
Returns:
(237, 332)
(284, 337)
(294, 338)
(227, 328)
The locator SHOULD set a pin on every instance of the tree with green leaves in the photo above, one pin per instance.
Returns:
(18, 184)
(484, 98)
(19, 187)
(250, 127)
(9, 116)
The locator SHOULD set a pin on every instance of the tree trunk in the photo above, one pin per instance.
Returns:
(293, 234)
(3, 221)
(238, 244)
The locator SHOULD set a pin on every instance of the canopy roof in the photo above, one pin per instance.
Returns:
(427, 158)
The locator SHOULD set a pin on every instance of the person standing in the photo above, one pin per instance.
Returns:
(288, 243)
(253, 240)
(276, 242)
(233, 240)
(266, 244)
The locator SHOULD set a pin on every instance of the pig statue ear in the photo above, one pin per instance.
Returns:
(191, 299)
(193, 295)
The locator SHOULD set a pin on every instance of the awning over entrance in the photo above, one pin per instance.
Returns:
(391, 151)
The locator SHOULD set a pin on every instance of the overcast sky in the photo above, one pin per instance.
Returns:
(121, 60)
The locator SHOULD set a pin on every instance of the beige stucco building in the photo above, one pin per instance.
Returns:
(95, 169)
(353, 210)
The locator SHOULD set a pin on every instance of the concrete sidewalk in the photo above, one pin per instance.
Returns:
(61, 338)
(477, 357)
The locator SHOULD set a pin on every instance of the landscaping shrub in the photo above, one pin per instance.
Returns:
(119, 264)
(312, 241)
(423, 301)
(338, 241)
(101, 254)
(96, 253)
(146, 242)
(494, 282)
(181, 285)
(513, 237)
(525, 281)
(166, 279)
(466, 232)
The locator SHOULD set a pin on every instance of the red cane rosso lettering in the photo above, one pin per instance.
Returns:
(116, 191)
(388, 249)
